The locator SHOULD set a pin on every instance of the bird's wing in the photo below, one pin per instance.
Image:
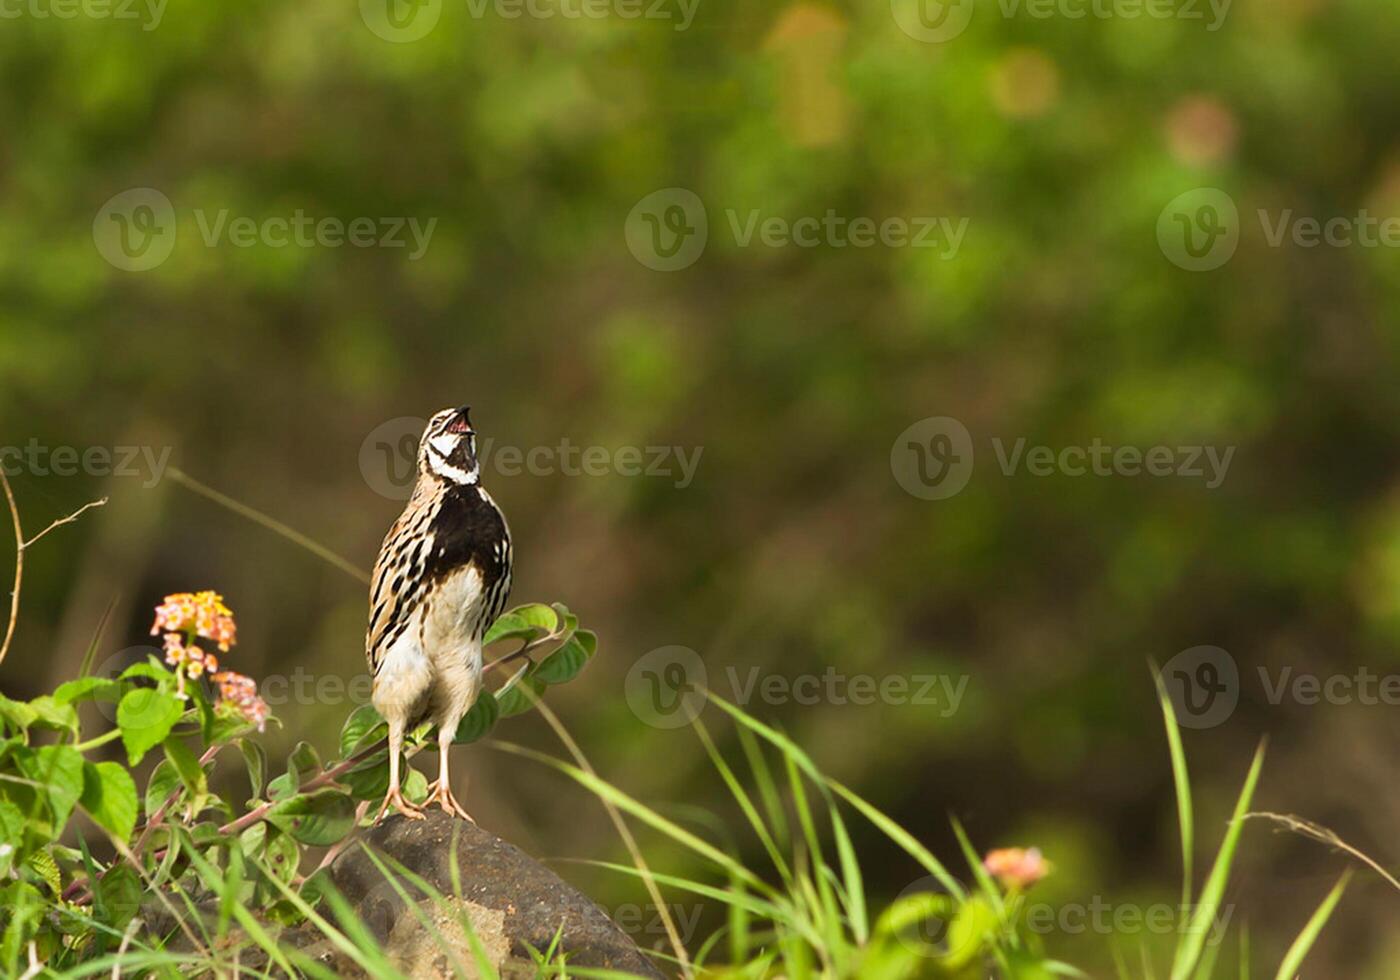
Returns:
(397, 587)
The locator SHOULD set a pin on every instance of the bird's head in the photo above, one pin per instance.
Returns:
(448, 447)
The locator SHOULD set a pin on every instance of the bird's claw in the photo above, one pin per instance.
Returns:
(441, 794)
(395, 796)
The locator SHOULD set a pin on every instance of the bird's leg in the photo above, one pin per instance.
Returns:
(441, 791)
(395, 794)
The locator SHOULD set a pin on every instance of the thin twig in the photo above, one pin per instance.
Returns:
(19, 565)
(1323, 835)
(67, 520)
(272, 524)
(21, 544)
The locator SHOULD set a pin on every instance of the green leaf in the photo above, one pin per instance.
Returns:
(370, 779)
(303, 763)
(146, 716)
(524, 622)
(87, 689)
(186, 763)
(281, 855)
(283, 787)
(479, 720)
(321, 818)
(512, 699)
(17, 714)
(46, 867)
(256, 759)
(109, 797)
(58, 769)
(565, 663)
(415, 786)
(151, 669)
(363, 723)
(118, 895)
(55, 714)
(164, 781)
(970, 927)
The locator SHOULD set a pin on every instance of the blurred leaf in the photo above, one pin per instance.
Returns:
(479, 719)
(146, 716)
(323, 817)
(363, 725)
(109, 797)
(565, 663)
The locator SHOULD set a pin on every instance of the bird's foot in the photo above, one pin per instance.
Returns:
(396, 798)
(441, 794)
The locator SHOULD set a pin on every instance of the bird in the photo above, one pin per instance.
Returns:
(442, 577)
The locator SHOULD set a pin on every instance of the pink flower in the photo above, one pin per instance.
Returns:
(1016, 867)
(201, 613)
(240, 693)
(185, 615)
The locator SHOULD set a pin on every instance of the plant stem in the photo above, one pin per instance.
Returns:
(93, 743)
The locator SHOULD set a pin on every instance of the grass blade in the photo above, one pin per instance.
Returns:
(1293, 960)
(1188, 951)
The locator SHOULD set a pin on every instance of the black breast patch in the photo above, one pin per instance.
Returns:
(468, 530)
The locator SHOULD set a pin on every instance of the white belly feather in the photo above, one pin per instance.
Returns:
(434, 668)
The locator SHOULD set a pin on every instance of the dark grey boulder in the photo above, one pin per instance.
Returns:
(513, 902)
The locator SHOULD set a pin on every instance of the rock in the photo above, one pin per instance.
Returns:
(513, 902)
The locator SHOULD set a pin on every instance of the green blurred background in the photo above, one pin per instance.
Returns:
(274, 373)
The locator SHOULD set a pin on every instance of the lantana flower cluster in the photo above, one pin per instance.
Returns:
(187, 616)
(1016, 867)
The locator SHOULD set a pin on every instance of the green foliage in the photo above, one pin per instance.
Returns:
(179, 849)
(812, 920)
